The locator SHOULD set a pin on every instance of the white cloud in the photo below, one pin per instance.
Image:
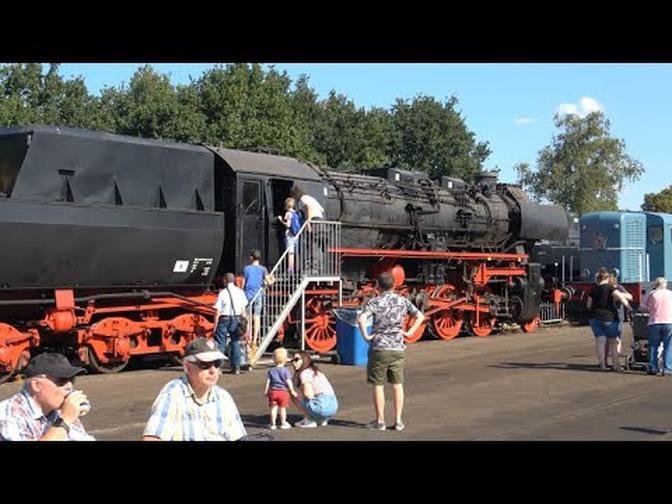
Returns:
(523, 120)
(590, 105)
(585, 106)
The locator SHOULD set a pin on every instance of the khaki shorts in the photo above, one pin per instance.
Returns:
(385, 364)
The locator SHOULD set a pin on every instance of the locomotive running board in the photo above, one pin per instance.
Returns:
(426, 254)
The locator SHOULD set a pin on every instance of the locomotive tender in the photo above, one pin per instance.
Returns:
(112, 244)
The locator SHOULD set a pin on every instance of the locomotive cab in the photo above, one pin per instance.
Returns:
(251, 188)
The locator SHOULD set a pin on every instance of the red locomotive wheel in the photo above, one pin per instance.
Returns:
(105, 367)
(531, 326)
(446, 326)
(485, 326)
(320, 327)
(419, 332)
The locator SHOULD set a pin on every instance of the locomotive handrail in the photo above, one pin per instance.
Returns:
(316, 258)
(592, 249)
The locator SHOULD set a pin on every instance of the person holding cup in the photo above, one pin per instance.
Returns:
(47, 408)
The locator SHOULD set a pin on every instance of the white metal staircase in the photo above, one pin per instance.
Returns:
(315, 259)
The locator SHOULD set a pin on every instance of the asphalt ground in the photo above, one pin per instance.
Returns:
(510, 386)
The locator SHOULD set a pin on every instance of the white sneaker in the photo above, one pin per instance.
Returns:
(324, 423)
(272, 426)
(306, 424)
(376, 425)
(285, 425)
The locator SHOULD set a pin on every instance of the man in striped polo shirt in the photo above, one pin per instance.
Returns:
(193, 407)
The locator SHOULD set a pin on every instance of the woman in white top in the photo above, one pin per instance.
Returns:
(316, 398)
(312, 211)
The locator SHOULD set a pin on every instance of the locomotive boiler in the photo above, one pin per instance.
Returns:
(398, 209)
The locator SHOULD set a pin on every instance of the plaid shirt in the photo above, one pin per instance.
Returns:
(22, 419)
(176, 416)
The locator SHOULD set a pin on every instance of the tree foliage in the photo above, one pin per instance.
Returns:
(658, 202)
(431, 136)
(584, 168)
(245, 107)
(29, 96)
(349, 137)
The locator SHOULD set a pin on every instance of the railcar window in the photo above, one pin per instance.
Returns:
(655, 234)
(250, 198)
(13, 150)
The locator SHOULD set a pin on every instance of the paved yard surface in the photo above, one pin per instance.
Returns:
(512, 386)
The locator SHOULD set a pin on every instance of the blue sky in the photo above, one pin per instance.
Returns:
(509, 105)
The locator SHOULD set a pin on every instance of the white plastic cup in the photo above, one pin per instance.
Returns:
(84, 407)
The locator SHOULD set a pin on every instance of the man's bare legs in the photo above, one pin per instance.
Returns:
(379, 403)
(398, 401)
(256, 324)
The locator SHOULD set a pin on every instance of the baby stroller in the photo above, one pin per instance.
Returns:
(639, 359)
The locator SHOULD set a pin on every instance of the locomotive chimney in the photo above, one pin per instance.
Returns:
(487, 181)
(487, 178)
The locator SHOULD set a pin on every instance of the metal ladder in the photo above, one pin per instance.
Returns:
(316, 258)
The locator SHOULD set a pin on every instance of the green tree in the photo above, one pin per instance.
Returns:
(189, 124)
(19, 97)
(433, 137)
(246, 107)
(336, 133)
(307, 116)
(376, 136)
(351, 138)
(658, 202)
(147, 107)
(584, 168)
(27, 96)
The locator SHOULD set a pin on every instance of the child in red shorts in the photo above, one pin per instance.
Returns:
(278, 387)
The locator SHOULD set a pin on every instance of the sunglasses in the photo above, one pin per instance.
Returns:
(207, 365)
(61, 382)
(297, 359)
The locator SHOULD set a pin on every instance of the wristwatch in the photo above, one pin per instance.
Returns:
(59, 422)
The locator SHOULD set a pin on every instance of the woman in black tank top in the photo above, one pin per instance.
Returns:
(604, 319)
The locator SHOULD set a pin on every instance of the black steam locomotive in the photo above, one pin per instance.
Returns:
(112, 244)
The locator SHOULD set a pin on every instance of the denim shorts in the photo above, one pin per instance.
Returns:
(321, 407)
(257, 305)
(611, 329)
(290, 243)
